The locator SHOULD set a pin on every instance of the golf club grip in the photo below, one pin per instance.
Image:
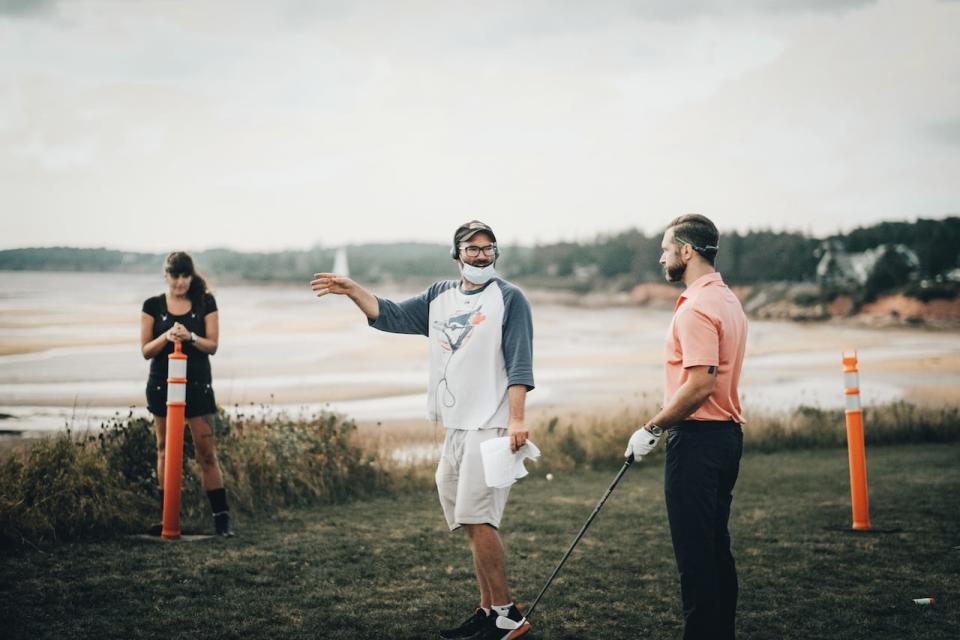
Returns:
(623, 470)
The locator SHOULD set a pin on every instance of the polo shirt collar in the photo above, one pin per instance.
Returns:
(700, 283)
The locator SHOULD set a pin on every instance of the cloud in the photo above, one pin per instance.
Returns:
(390, 120)
(947, 132)
(18, 8)
(692, 9)
(813, 6)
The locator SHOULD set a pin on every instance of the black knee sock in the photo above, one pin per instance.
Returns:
(157, 528)
(218, 500)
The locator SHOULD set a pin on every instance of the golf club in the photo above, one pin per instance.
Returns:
(613, 485)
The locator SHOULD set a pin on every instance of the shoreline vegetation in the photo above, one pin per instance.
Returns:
(101, 483)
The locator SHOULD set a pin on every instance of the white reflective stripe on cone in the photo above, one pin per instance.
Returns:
(853, 402)
(851, 380)
(176, 392)
(177, 368)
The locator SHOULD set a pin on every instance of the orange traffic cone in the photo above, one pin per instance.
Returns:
(855, 446)
(173, 461)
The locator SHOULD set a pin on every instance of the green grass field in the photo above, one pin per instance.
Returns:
(387, 567)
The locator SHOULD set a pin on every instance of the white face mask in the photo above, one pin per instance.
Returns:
(477, 275)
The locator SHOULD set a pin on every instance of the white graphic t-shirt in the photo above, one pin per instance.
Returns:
(481, 343)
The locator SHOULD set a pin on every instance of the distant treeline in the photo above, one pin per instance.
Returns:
(744, 258)
(370, 262)
(615, 261)
(631, 256)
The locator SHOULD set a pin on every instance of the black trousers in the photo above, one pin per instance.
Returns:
(703, 460)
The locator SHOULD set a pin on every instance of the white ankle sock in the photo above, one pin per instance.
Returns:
(503, 609)
(486, 610)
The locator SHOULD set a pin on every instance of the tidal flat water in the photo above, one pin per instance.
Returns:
(70, 354)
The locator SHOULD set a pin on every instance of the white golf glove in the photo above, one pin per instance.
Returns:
(643, 442)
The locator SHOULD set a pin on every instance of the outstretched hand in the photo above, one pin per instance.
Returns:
(324, 283)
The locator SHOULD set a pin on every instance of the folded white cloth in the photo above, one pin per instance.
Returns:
(501, 467)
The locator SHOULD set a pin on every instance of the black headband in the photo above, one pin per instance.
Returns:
(702, 250)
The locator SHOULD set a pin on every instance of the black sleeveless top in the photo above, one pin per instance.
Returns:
(198, 362)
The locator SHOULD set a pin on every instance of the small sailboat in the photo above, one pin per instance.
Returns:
(340, 266)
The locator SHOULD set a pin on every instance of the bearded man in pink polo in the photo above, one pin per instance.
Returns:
(702, 417)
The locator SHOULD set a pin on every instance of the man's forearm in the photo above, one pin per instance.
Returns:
(517, 396)
(517, 429)
(366, 301)
(689, 398)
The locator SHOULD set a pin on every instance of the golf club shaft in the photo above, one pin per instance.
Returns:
(623, 470)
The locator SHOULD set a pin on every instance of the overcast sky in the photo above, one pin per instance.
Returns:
(286, 124)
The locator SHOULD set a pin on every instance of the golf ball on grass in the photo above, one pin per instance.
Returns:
(549, 477)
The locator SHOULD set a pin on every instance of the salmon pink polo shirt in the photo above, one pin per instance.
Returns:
(708, 328)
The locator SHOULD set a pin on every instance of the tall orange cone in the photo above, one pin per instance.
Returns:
(173, 460)
(855, 446)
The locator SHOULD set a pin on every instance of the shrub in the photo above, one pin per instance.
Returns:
(591, 440)
(599, 440)
(933, 290)
(275, 460)
(69, 486)
(811, 427)
(63, 489)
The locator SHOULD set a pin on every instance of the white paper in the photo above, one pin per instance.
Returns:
(501, 467)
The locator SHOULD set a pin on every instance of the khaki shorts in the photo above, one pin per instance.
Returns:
(464, 494)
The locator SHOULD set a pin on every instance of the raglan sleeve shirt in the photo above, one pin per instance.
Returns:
(517, 341)
(408, 316)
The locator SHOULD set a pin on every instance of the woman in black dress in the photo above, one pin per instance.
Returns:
(187, 314)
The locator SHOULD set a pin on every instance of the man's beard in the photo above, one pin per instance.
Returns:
(674, 272)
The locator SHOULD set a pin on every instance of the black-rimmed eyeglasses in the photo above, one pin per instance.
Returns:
(472, 250)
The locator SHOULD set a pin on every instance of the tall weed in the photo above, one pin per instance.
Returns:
(73, 486)
(598, 440)
(63, 489)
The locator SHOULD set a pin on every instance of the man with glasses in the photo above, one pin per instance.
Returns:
(481, 368)
(701, 412)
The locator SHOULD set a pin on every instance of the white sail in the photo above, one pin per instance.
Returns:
(340, 262)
